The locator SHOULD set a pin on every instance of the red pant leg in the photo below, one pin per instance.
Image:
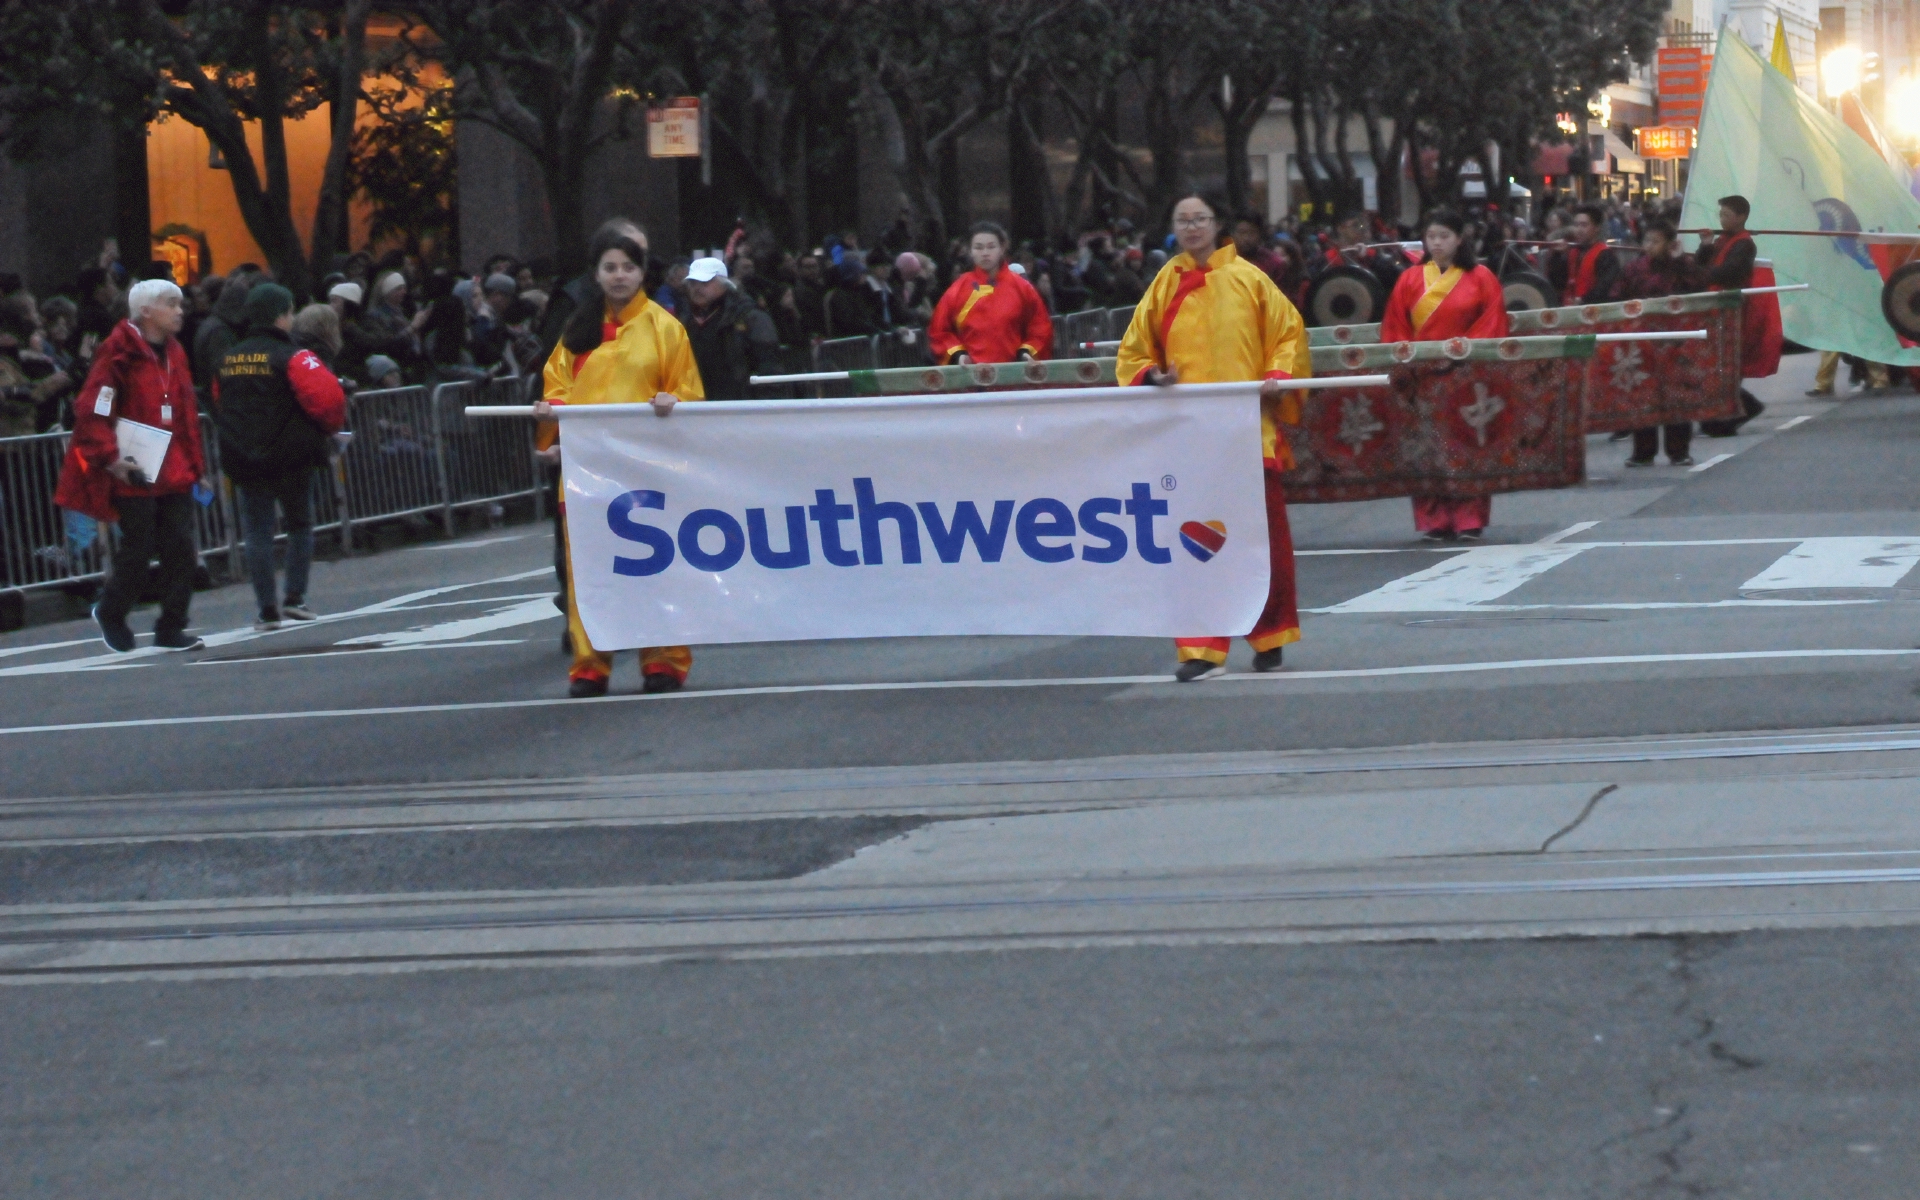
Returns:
(1279, 623)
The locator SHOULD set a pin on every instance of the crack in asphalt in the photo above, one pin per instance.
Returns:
(1593, 802)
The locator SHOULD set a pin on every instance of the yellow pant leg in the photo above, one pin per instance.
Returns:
(1829, 367)
(588, 663)
(1878, 376)
(667, 660)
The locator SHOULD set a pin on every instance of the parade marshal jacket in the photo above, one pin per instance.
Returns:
(1221, 323)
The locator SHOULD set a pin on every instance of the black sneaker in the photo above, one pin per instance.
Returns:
(1639, 462)
(178, 639)
(1438, 535)
(268, 622)
(1685, 460)
(1267, 660)
(580, 689)
(655, 682)
(1196, 669)
(297, 610)
(1472, 535)
(117, 634)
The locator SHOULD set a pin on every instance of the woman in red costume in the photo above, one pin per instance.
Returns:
(1448, 296)
(990, 314)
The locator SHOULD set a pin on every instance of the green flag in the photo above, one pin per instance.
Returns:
(1801, 168)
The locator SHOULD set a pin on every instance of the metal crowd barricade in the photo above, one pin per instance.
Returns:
(1072, 329)
(484, 462)
(1117, 321)
(844, 354)
(40, 545)
(391, 468)
(903, 347)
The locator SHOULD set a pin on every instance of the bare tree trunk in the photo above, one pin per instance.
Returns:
(330, 233)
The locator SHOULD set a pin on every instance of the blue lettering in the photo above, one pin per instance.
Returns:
(1113, 535)
(828, 514)
(732, 546)
(795, 555)
(950, 540)
(1044, 518)
(872, 513)
(1143, 508)
(620, 520)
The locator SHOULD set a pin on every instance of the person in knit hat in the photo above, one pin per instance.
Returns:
(276, 407)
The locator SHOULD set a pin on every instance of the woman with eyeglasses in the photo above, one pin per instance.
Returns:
(1210, 317)
(1448, 296)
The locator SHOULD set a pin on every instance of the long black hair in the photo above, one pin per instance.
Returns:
(583, 330)
(1463, 257)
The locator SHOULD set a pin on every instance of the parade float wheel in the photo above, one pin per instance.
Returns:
(1345, 296)
(1525, 291)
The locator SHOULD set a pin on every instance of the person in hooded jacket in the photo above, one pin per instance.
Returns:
(276, 406)
(219, 330)
(140, 374)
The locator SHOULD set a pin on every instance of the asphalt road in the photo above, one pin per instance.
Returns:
(1583, 863)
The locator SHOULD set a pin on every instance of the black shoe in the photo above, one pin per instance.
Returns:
(1621, 436)
(1196, 669)
(177, 639)
(585, 686)
(1438, 535)
(1685, 460)
(1639, 462)
(1267, 660)
(297, 610)
(1720, 429)
(1472, 535)
(116, 634)
(655, 682)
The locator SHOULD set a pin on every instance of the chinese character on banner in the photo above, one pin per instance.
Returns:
(673, 129)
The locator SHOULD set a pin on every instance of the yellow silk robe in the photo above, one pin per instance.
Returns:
(650, 354)
(1228, 324)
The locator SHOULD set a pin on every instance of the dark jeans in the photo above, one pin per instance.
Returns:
(151, 525)
(1646, 442)
(291, 492)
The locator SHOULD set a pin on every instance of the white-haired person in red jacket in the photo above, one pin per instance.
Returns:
(140, 373)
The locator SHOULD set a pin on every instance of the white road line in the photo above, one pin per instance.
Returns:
(247, 633)
(527, 612)
(1799, 420)
(1525, 664)
(1569, 531)
(1841, 562)
(1716, 460)
(274, 658)
(38, 647)
(495, 541)
(1465, 582)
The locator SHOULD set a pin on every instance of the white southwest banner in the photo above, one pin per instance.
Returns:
(1120, 511)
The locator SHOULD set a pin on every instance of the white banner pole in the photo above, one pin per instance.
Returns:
(1196, 391)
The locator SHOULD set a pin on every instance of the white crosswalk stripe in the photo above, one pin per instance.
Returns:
(1475, 580)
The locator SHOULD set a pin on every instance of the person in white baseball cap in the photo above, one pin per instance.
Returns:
(733, 338)
(706, 270)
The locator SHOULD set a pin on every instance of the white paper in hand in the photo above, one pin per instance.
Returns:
(144, 444)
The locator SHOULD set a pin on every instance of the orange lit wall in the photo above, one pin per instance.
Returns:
(184, 190)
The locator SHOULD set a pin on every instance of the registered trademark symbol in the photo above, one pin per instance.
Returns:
(1168, 483)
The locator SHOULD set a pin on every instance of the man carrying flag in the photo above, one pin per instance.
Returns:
(1729, 263)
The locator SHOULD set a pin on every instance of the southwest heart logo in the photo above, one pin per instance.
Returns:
(1203, 539)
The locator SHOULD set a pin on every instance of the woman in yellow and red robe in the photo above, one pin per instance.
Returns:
(1210, 317)
(989, 314)
(618, 348)
(1447, 296)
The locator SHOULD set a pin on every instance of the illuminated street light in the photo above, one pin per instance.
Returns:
(1601, 109)
(1903, 106)
(1840, 71)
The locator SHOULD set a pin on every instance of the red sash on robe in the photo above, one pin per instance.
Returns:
(1761, 336)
